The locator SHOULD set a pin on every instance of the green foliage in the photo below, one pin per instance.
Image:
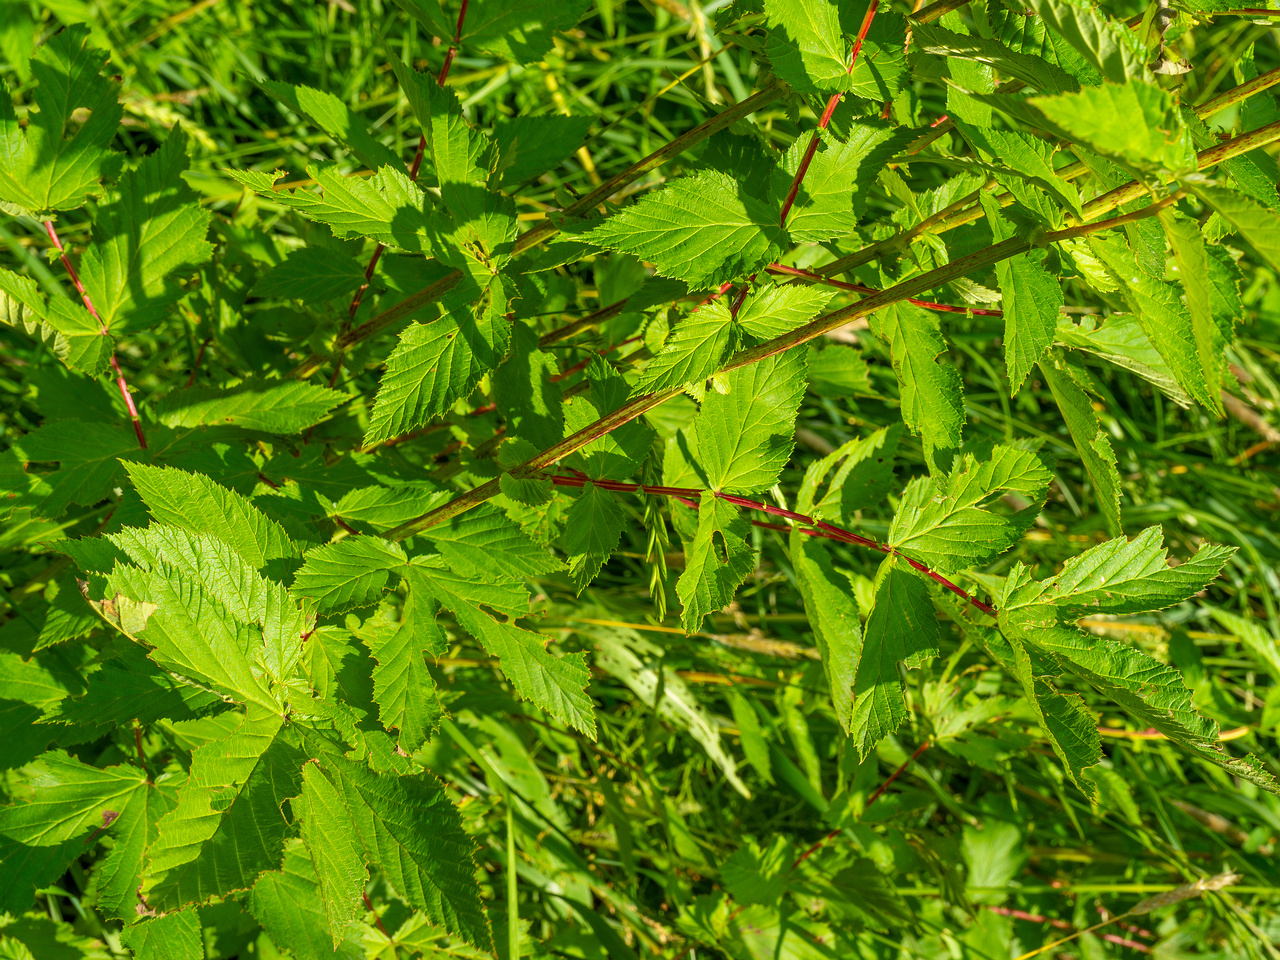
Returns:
(344, 352)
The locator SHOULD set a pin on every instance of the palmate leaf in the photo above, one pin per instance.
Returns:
(555, 684)
(41, 168)
(146, 240)
(945, 523)
(229, 825)
(197, 504)
(699, 229)
(530, 146)
(133, 831)
(68, 798)
(1088, 436)
(806, 46)
(438, 363)
(745, 435)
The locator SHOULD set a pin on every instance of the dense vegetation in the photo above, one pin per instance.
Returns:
(782, 480)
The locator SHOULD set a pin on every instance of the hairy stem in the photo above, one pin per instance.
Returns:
(121, 383)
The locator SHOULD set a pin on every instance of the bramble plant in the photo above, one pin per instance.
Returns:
(353, 423)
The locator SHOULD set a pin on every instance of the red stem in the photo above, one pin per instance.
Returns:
(832, 103)
(102, 328)
(859, 288)
(820, 528)
(870, 800)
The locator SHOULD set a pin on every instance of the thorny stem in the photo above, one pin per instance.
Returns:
(102, 328)
(870, 800)
(832, 103)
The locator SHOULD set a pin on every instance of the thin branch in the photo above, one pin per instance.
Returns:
(832, 103)
(102, 328)
(859, 288)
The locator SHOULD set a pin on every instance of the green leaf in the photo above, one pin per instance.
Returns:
(1259, 226)
(902, 628)
(191, 633)
(1104, 43)
(932, 402)
(756, 875)
(173, 936)
(1122, 341)
(227, 578)
(527, 396)
(145, 241)
(619, 453)
(41, 168)
(745, 435)
(338, 860)
(132, 688)
(1127, 576)
(68, 798)
(196, 503)
(1028, 170)
(946, 523)
(864, 477)
(1087, 433)
(229, 826)
(133, 831)
(771, 310)
(1136, 124)
(312, 275)
(75, 337)
(387, 207)
(833, 615)
(824, 204)
(716, 562)
(1164, 317)
(486, 545)
(519, 30)
(403, 687)
(410, 829)
(1195, 272)
(268, 406)
(530, 146)
(436, 364)
(288, 903)
(698, 229)
(695, 349)
(806, 45)
(1034, 71)
(556, 684)
(336, 119)
(349, 573)
(593, 526)
(88, 457)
